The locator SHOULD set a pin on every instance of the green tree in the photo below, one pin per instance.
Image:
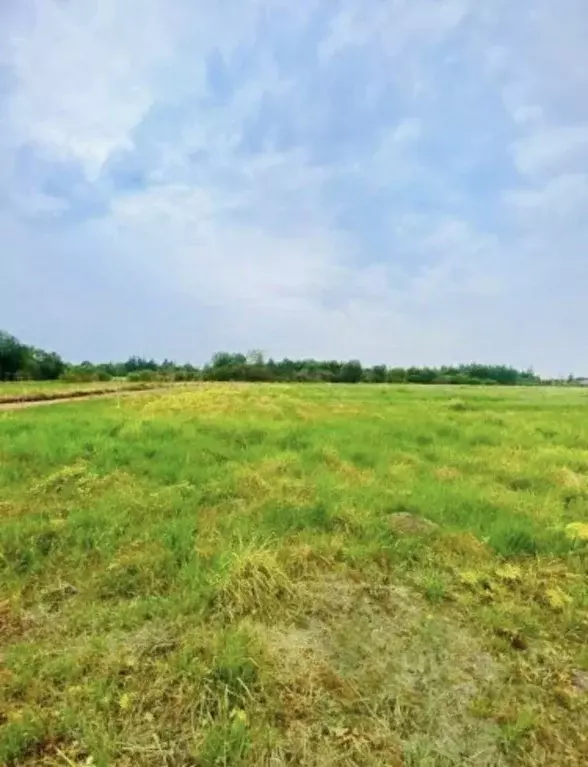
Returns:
(48, 365)
(351, 372)
(14, 357)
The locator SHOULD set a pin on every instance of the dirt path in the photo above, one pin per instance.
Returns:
(18, 404)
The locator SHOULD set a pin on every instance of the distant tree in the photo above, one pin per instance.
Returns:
(14, 357)
(48, 365)
(226, 359)
(351, 372)
(376, 374)
(255, 357)
(396, 375)
(145, 375)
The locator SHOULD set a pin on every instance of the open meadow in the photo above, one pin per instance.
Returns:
(250, 574)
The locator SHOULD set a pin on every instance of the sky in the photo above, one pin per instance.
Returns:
(399, 181)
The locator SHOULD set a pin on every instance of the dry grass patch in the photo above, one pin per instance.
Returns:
(253, 582)
(207, 400)
(462, 546)
(447, 473)
(80, 478)
(346, 471)
(280, 479)
(565, 477)
(370, 677)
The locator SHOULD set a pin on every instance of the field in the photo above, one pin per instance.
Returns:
(33, 391)
(296, 575)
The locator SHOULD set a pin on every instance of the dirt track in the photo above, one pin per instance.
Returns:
(18, 404)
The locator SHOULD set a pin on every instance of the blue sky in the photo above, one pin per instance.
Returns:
(402, 181)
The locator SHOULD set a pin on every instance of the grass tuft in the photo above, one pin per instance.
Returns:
(251, 581)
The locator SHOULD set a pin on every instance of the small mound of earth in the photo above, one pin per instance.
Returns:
(409, 524)
(580, 680)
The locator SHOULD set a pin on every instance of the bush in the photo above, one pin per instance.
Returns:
(143, 376)
(83, 375)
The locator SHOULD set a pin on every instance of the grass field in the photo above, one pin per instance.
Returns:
(31, 391)
(296, 575)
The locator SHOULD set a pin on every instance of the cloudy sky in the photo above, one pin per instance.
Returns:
(403, 181)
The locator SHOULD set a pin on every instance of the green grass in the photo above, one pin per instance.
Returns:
(310, 575)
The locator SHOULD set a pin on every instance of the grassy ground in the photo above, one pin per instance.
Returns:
(305, 575)
(31, 391)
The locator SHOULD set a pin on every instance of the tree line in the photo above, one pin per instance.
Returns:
(253, 367)
(21, 362)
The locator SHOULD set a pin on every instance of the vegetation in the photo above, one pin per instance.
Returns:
(18, 361)
(310, 575)
(253, 367)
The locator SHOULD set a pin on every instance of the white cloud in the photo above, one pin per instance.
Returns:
(526, 113)
(84, 80)
(408, 130)
(552, 148)
(383, 180)
(219, 260)
(398, 26)
(560, 198)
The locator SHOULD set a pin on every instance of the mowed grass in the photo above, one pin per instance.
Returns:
(296, 575)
